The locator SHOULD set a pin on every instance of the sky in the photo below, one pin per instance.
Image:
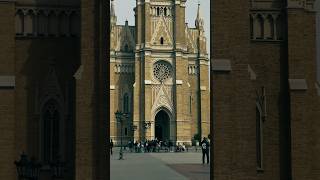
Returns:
(124, 11)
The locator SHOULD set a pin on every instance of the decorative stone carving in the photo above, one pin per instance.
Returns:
(266, 25)
(193, 69)
(34, 21)
(162, 97)
(162, 28)
(162, 70)
(124, 68)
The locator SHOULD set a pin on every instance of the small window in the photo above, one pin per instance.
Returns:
(126, 103)
(158, 11)
(125, 131)
(190, 104)
(165, 11)
(126, 48)
(161, 40)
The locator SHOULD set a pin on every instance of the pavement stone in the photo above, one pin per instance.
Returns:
(158, 166)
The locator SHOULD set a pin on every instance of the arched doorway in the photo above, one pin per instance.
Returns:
(162, 126)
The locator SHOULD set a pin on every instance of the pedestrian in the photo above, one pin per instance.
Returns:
(136, 146)
(111, 146)
(205, 146)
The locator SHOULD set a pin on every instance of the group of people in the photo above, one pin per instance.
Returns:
(157, 145)
(154, 145)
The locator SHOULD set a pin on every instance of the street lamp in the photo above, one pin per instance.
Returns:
(120, 116)
(27, 170)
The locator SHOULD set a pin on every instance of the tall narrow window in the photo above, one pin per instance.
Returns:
(190, 104)
(64, 24)
(19, 23)
(50, 132)
(42, 24)
(161, 40)
(53, 24)
(269, 28)
(259, 138)
(29, 22)
(125, 131)
(74, 24)
(126, 103)
(259, 26)
(279, 27)
(251, 28)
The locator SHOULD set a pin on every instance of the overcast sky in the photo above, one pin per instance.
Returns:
(124, 10)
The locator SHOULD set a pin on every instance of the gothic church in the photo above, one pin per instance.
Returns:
(264, 103)
(159, 75)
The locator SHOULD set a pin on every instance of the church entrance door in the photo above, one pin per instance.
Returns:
(162, 126)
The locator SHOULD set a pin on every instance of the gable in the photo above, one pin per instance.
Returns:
(162, 31)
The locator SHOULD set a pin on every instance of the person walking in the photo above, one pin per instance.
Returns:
(205, 146)
(111, 146)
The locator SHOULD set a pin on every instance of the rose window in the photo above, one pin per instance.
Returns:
(162, 70)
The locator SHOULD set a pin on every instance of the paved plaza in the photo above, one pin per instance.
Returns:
(159, 166)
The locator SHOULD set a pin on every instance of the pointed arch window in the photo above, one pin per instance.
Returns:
(126, 48)
(50, 131)
(125, 103)
(29, 23)
(19, 23)
(125, 131)
(269, 28)
(161, 40)
(259, 27)
(259, 137)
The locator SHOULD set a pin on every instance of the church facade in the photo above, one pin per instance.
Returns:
(159, 75)
(264, 103)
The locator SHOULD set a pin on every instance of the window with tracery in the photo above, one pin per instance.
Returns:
(266, 26)
(50, 131)
(161, 11)
(162, 70)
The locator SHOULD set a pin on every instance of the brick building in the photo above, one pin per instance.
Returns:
(265, 97)
(46, 93)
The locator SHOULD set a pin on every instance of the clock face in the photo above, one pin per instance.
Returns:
(162, 70)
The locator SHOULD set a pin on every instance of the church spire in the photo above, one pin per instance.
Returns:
(113, 13)
(199, 20)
